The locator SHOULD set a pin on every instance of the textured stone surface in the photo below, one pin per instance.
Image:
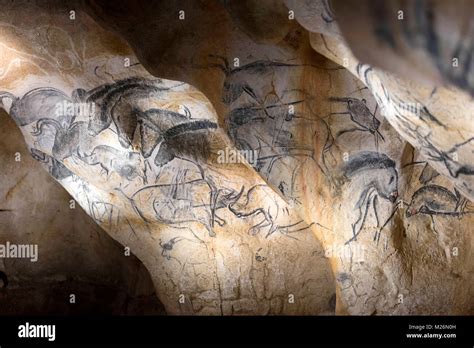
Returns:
(74, 254)
(343, 150)
(171, 206)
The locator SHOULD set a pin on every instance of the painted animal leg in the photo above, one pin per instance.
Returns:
(374, 204)
(354, 225)
(220, 221)
(262, 224)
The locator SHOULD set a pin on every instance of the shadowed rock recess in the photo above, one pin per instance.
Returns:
(257, 157)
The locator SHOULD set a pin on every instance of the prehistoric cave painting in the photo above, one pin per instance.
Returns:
(60, 121)
(361, 115)
(449, 158)
(427, 173)
(54, 115)
(117, 103)
(241, 80)
(455, 160)
(39, 103)
(164, 133)
(374, 175)
(399, 106)
(248, 114)
(55, 168)
(151, 129)
(183, 201)
(252, 205)
(437, 200)
(446, 157)
(126, 164)
(102, 212)
(266, 108)
(167, 247)
(67, 139)
(175, 134)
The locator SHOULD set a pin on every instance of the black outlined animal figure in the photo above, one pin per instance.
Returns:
(252, 205)
(67, 138)
(55, 168)
(4, 279)
(455, 160)
(126, 164)
(39, 103)
(436, 200)
(182, 202)
(116, 103)
(239, 80)
(222, 199)
(153, 123)
(173, 208)
(241, 116)
(176, 135)
(447, 157)
(450, 158)
(361, 115)
(263, 132)
(377, 175)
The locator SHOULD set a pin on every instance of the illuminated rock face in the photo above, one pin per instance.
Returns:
(142, 156)
(66, 251)
(252, 175)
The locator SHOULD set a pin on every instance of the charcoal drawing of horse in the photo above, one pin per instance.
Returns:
(371, 175)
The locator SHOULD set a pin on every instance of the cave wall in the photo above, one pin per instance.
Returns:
(74, 256)
(262, 168)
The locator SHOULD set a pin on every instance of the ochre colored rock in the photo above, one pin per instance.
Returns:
(251, 170)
